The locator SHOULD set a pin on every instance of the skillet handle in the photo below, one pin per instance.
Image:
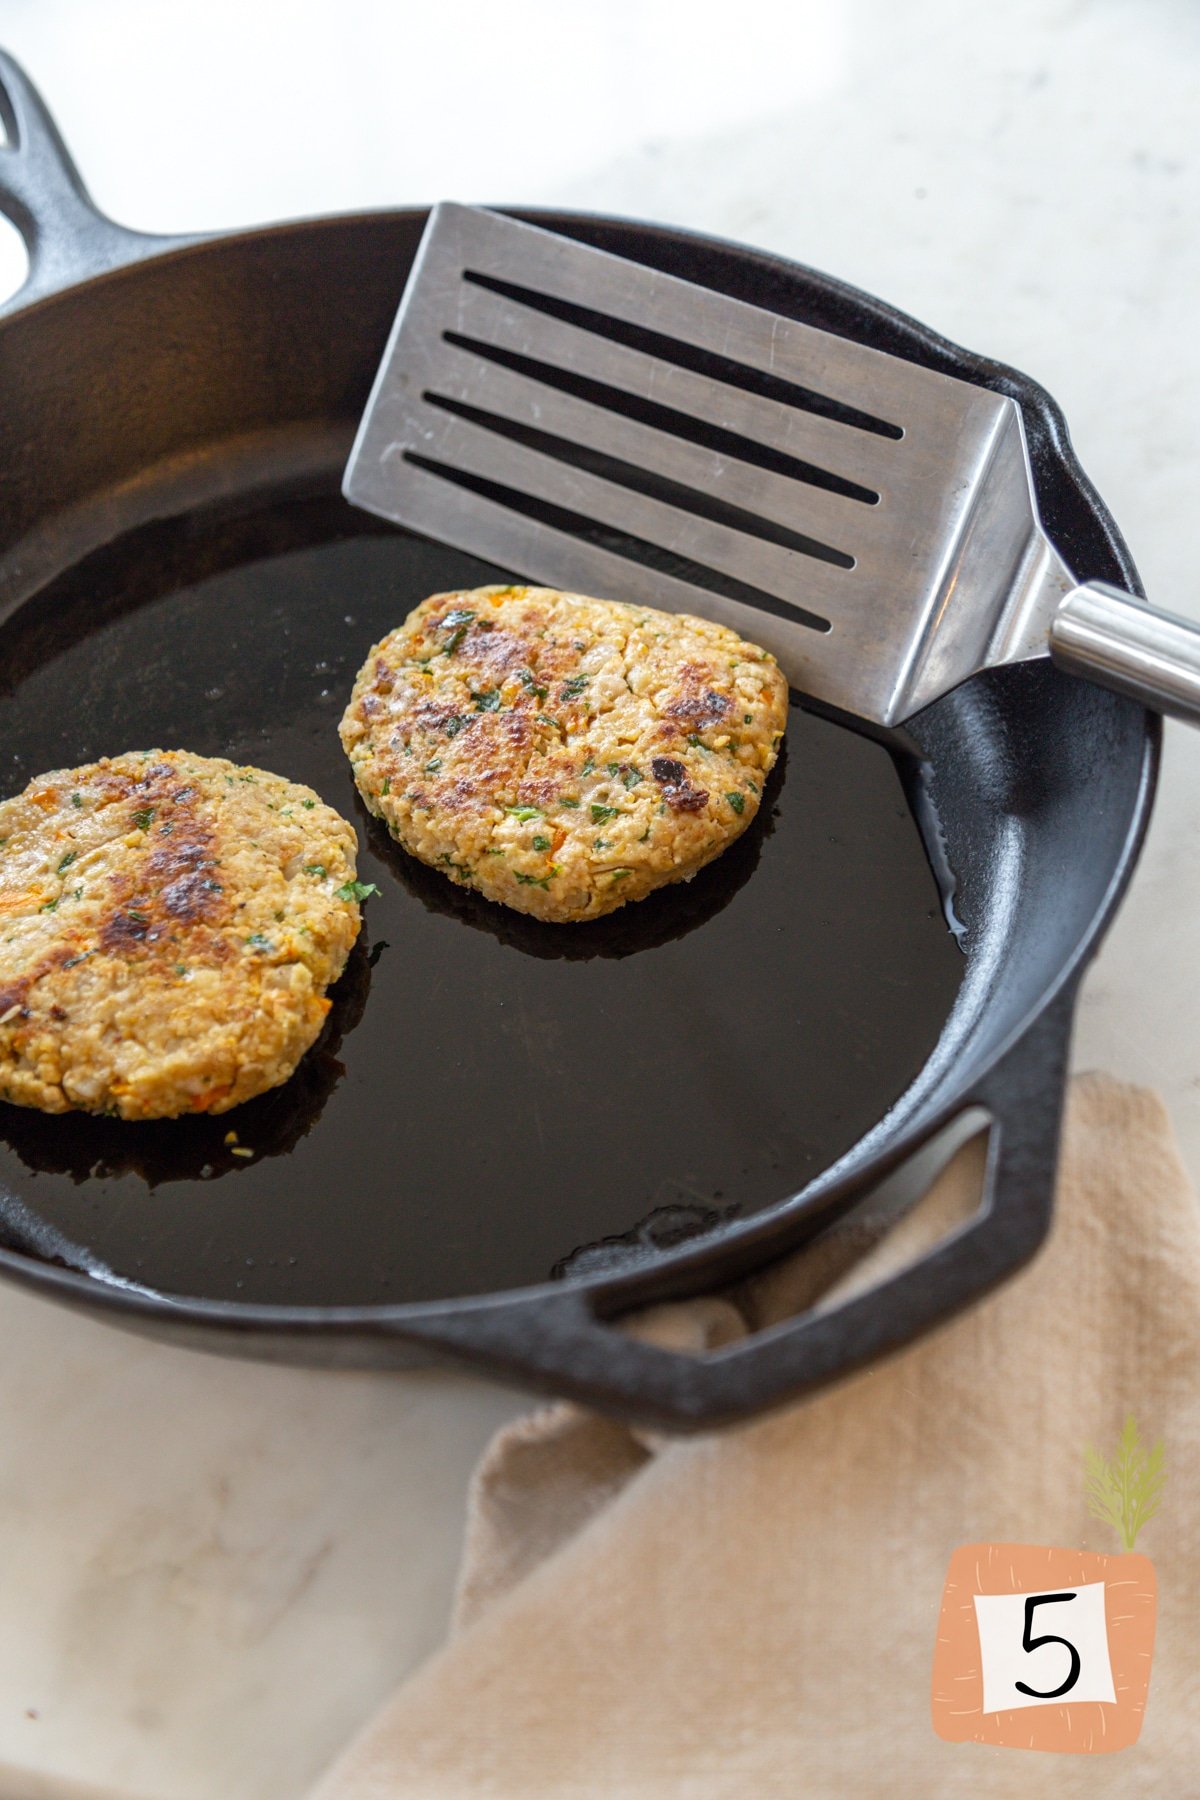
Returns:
(41, 191)
(563, 1342)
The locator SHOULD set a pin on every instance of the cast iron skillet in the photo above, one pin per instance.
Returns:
(513, 1133)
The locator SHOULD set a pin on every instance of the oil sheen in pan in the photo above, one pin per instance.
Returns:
(492, 1096)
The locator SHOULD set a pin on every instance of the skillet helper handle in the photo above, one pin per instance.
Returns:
(1111, 637)
(66, 236)
(565, 1342)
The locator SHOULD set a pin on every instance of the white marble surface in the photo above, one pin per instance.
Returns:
(209, 1572)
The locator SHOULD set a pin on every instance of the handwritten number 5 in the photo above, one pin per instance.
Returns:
(1028, 1642)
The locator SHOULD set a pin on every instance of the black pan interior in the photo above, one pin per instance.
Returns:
(494, 1101)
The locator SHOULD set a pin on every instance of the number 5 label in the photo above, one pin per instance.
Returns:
(1039, 1648)
(1043, 1649)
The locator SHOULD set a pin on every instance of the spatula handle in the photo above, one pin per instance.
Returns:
(1110, 637)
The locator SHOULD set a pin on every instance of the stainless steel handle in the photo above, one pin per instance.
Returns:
(1115, 639)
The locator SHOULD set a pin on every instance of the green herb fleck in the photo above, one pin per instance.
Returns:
(309, 804)
(260, 941)
(619, 874)
(737, 801)
(525, 677)
(601, 844)
(457, 623)
(566, 800)
(588, 766)
(542, 881)
(455, 723)
(180, 968)
(48, 906)
(601, 813)
(76, 800)
(315, 869)
(431, 768)
(82, 957)
(524, 813)
(746, 719)
(572, 689)
(387, 785)
(696, 741)
(66, 862)
(357, 890)
(632, 776)
(487, 701)
(541, 843)
(143, 816)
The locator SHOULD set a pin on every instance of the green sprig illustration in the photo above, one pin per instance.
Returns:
(1125, 1492)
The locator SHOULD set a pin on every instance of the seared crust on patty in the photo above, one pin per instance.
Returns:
(561, 754)
(168, 926)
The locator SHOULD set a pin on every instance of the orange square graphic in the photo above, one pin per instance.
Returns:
(1045, 1591)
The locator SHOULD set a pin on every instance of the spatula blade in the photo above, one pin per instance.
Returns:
(592, 423)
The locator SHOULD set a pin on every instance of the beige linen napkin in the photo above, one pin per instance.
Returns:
(753, 1613)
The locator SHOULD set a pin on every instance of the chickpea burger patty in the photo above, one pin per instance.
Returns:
(168, 926)
(560, 754)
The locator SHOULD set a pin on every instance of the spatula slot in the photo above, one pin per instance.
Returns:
(702, 432)
(689, 356)
(617, 543)
(597, 461)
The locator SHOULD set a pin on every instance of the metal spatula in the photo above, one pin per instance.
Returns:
(593, 424)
